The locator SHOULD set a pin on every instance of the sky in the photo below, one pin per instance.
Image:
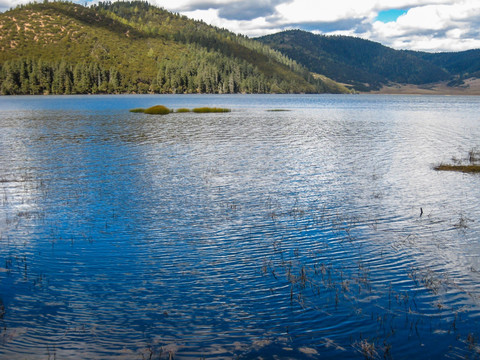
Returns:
(425, 25)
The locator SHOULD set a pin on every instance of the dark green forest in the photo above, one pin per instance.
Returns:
(209, 73)
(134, 47)
(367, 65)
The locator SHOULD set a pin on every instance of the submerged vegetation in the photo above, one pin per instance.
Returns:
(310, 277)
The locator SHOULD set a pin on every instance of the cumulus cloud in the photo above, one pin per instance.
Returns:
(236, 10)
(432, 25)
(448, 27)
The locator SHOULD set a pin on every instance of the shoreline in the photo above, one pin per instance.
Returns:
(471, 87)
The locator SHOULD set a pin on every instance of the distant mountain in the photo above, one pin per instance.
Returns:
(134, 47)
(367, 65)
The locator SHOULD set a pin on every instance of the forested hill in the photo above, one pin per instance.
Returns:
(367, 65)
(134, 47)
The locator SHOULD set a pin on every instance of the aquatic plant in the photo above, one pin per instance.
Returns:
(470, 168)
(158, 110)
(278, 110)
(163, 110)
(473, 155)
(367, 349)
(210, 110)
(137, 110)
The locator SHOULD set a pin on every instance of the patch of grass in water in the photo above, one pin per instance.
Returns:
(158, 110)
(278, 110)
(137, 110)
(203, 110)
(163, 110)
(472, 168)
(472, 165)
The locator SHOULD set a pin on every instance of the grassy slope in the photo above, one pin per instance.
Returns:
(162, 23)
(123, 36)
(73, 33)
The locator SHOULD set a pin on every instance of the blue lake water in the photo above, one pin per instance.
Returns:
(319, 232)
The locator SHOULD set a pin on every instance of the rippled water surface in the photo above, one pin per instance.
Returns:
(319, 232)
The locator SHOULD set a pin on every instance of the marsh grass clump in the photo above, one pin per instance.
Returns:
(137, 110)
(158, 110)
(278, 110)
(367, 349)
(472, 166)
(203, 110)
(154, 110)
(163, 110)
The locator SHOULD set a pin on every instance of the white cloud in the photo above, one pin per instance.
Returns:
(441, 27)
(432, 25)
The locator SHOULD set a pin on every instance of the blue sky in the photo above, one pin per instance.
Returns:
(427, 25)
(390, 15)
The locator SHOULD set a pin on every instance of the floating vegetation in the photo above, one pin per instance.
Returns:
(278, 110)
(210, 110)
(183, 110)
(471, 167)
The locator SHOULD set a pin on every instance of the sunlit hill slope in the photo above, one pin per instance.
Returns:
(134, 47)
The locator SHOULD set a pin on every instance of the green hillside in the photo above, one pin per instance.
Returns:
(367, 65)
(134, 47)
(461, 65)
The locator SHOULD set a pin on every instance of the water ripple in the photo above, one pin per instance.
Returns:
(239, 235)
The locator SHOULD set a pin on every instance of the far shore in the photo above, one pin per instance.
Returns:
(470, 87)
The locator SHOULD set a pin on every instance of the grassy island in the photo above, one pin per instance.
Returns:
(154, 110)
(203, 110)
(163, 110)
(158, 110)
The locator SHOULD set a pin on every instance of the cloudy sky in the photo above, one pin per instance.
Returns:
(429, 25)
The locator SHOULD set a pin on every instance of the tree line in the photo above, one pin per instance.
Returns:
(198, 71)
(39, 77)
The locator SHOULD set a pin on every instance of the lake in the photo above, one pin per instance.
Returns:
(318, 232)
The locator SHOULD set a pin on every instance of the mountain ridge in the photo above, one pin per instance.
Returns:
(365, 65)
(135, 47)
